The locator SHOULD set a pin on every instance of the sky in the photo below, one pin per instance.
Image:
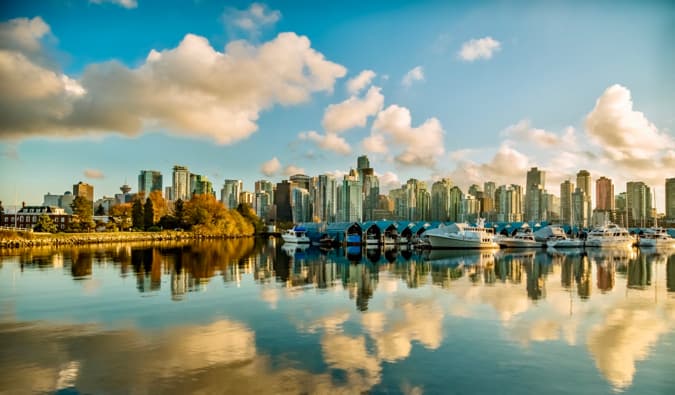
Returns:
(475, 91)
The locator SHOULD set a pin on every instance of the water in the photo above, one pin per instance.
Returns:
(251, 317)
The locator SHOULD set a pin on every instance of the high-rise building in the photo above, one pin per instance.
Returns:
(490, 188)
(300, 204)
(282, 202)
(584, 183)
(566, 190)
(149, 181)
(261, 204)
(325, 198)
(638, 204)
(229, 194)
(200, 185)
(534, 185)
(620, 205)
(455, 204)
(246, 197)
(85, 190)
(351, 198)
(264, 186)
(371, 192)
(440, 200)
(423, 199)
(509, 203)
(670, 199)
(604, 194)
(580, 214)
(301, 180)
(470, 208)
(180, 186)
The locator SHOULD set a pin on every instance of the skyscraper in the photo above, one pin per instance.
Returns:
(638, 204)
(440, 200)
(200, 185)
(584, 183)
(455, 204)
(300, 204)
(180, 187)
(351, 197)
(566, 190)
(229, 194)
(580, 215)
(149, 181)
(282, 202)
(670, 199)
(85, 190)
(325, 199)
(534, 185)
(509, 203)
(604, 194)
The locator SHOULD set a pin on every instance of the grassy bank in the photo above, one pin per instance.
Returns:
(14, 239)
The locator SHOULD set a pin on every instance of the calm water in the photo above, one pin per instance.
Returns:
(253, 317)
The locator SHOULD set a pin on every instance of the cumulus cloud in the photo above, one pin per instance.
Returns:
(251, 19)
(523, 131)
(271, 167)
(353, 112)
(293, 169)
(416, 74)
(94, 173)
(359, 82)
(419, 146)
(508, 165)
(122, 3)
(24, 35)
(389, 180)
(482, 48)
(328, 142)
(191, 90)
(625, 135)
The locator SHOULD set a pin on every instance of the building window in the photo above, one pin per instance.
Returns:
(20, 218)
(63, 219)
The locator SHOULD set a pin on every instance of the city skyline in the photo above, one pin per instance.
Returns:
(467, 94)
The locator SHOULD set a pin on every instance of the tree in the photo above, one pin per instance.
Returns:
(148, 214)
(122, 214)
(100, 210)
(249, 214)
(179, 212)
(158, 205)
(83, 208)
(45, 224)
(137, 217)
(2, 210)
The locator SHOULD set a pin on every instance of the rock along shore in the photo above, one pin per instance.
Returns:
(64, 239)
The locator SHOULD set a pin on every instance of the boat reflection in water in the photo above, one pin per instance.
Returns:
(201, 316)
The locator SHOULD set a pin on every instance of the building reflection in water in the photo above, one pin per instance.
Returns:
(191, 266)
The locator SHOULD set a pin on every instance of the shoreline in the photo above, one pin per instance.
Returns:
(65, 239)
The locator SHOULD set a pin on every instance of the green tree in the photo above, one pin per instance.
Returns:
(84, 209)
(137, 217)
(100, 210)
(179, 212)
(249, 214)
(45, 224)
(148, 213)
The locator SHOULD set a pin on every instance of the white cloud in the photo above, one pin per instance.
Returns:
(416, 74)
(389, 180)
(252, 19)
(328, 142)
(213, 95)
(626, 135)
(508, 165)
(23, 34)
(375, 144)
(524, 132)
(419, 146)
(122, 3)
(359, 82)
(352, 112)
(94, 173)
(271, 167)
(292, 169)
(482, 48)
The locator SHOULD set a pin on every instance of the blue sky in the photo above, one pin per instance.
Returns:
(97, 91)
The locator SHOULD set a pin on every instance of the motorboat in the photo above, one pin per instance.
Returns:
(656, 237)
(610, 235)
(520, 240)
(461, 235)
(297, 235)
(326, 240)
(372, 239)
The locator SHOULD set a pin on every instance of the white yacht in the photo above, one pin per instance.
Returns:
(610, 235)
(461, 235)
(296, 235)
(520, 240)
(656, 237)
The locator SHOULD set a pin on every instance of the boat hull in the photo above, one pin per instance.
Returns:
(658, 243)
(452, 241)
(295, 239)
